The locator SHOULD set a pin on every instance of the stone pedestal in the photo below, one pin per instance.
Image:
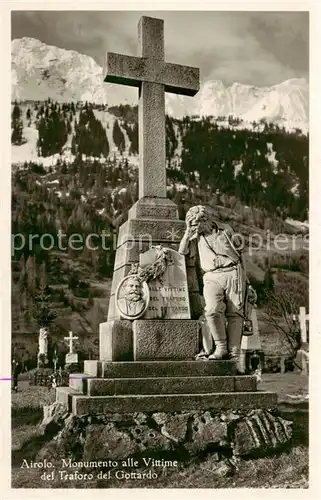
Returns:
(112, 387)
(165, 339)
(151, 222)
(116, 340)
(71, 358)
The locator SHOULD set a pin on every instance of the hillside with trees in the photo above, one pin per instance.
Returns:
(253, 179)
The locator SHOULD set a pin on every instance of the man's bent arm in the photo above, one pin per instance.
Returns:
(184, 244)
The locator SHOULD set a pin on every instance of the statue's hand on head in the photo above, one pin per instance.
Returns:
(197, 221)
(192, 229)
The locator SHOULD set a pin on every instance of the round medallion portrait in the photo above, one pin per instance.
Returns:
(132, 297)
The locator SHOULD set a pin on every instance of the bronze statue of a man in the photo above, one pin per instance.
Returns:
(224, 278)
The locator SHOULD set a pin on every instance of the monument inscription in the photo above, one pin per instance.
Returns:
(168, 294)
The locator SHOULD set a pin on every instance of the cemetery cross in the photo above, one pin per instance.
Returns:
(70, 340)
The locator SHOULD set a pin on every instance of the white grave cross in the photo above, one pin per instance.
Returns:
(303, 318)
(70, 340)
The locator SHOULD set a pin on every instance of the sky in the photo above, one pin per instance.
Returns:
(255, 48)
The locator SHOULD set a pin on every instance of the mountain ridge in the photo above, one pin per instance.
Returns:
(40, 71)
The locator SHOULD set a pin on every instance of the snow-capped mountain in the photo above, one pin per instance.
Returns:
(40, 71)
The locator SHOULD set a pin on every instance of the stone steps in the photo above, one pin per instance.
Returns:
(160, 385)
(155, 369)
(64, 395)
(167, 386)
(81, 405)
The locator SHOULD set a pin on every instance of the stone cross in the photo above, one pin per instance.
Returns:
(70, 340)
(153, 76)
(303, 318)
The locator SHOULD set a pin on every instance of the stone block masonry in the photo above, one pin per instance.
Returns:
(117, 387)
(83, 405)
(165, 339)
(116, 341)
(143, 369)
(93, 386)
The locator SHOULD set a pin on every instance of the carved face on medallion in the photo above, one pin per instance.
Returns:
(132, 297)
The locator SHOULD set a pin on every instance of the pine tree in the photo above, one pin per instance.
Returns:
(134, 140)
(52, 133)
(268, 282)
(16, 126)
(90, 137)
(171, 140)
(43, 276)
(118, 137)
(43, 311)
(31, 275)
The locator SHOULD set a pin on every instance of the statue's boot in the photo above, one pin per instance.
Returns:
(220, 350)
(234, 336)
(216, 325)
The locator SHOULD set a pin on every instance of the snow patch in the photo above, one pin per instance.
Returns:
(238, 168)
(295, 190)
(298, 223)
(270, 156)
(180, 186)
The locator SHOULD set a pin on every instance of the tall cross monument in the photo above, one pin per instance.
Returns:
(146, 363)
(153, 76)
(153, 220)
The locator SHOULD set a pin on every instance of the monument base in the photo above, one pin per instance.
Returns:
(165, 339)
(116, 340)
(143, 340)
(140, 386)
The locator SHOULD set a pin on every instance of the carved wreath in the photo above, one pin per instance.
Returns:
(157, 268)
